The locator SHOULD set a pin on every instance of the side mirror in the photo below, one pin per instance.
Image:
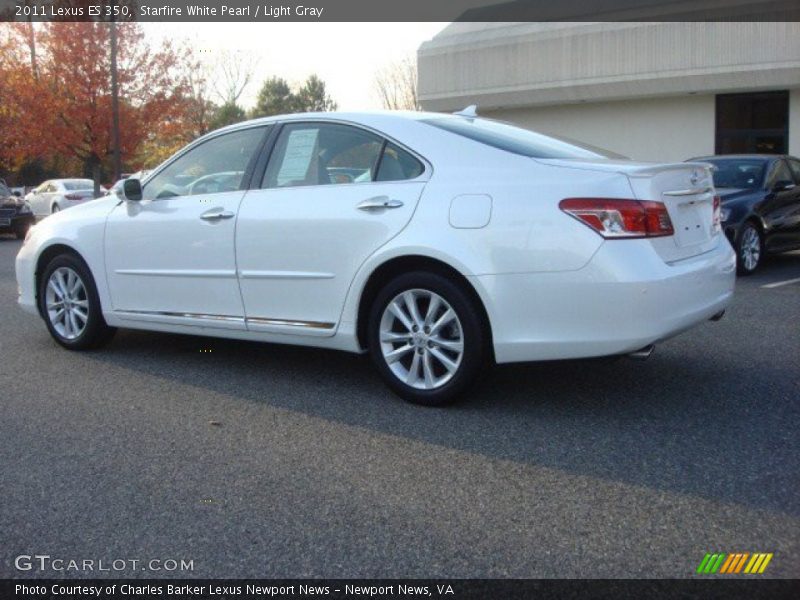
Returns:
(132, 190)
(783, 185)
(17, 194)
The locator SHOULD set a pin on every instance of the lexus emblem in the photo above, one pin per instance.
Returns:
(694, 177)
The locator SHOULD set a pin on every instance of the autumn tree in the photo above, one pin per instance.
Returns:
(396, 85)
(67, 110)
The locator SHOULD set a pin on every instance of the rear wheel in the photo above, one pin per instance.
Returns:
(426, 338)
(749, 249)
(69, 303)
(54, 209)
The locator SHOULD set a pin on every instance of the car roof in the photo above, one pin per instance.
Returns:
(371, 117)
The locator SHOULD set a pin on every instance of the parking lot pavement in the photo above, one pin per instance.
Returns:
(268, 461)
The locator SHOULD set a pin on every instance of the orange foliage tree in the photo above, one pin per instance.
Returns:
(60, 104)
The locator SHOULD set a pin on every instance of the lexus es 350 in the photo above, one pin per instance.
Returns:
(436, 243)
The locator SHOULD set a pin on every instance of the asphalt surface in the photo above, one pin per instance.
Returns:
(257, 460)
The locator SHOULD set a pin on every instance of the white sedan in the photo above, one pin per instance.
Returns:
(58, 194)
(436, 243)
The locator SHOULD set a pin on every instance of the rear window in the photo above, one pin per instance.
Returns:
(78, 184)
(517, 140)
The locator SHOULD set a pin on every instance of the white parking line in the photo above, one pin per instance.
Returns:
(781, 283)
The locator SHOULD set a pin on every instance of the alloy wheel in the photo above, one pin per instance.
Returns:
(67, 303)
(421, 339)
(750, 248)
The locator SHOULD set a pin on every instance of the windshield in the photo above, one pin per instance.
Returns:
(743, 174)
(517, 140)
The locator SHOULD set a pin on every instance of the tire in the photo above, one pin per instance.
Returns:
(54, 209)
(749, 249)
(424, 365)
(21, 232)
(87, 328)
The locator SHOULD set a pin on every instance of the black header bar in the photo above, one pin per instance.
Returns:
(266, 11)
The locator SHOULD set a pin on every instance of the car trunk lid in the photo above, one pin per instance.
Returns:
(687, 191)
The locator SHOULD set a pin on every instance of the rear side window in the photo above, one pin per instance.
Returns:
(397, 165)
(517, 140)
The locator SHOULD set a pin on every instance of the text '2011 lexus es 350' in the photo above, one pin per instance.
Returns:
(434, 242)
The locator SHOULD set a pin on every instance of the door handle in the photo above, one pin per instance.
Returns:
(216, 215)
(379, 202)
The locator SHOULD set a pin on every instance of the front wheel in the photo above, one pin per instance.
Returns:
(426, 338)
(749, 249)
(69, 303)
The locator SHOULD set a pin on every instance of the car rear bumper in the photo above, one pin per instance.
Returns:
(625, 298)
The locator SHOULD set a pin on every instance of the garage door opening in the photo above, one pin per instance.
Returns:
(756, 123)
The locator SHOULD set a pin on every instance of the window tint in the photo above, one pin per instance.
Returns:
(396, 165)
(517, 140)
(794, 165)
(743, 174)
(780, 172)
(4, 191)
(322, 154)
(213, 167)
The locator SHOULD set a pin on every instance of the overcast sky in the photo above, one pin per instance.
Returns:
(344, 55)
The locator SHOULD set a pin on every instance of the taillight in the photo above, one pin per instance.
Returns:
(613, 218)
(74, 196)
(717, 222)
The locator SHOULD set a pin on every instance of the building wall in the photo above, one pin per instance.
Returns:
(507, 65)
(660, 129)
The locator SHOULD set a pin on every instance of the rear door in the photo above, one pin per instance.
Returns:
(331, 195)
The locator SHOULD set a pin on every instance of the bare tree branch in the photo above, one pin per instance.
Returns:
(396, 85)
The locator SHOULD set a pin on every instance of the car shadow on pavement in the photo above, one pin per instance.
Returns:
(683, 421)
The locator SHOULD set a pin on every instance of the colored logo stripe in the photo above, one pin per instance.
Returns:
(734, 563)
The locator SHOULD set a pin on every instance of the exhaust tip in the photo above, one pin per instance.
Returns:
(642, 353)
(717, 316)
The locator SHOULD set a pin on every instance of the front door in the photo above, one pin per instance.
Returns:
(331, 195)
(170, 258)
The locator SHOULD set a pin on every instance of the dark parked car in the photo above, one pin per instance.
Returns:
(15, 214)
(760, 204)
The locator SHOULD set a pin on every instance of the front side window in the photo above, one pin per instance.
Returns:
(213, 167)
(322, 154)
(794, 165)
(780, 173)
